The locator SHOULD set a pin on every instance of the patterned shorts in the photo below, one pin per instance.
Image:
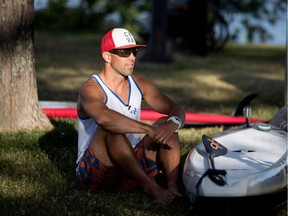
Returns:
(95, 176)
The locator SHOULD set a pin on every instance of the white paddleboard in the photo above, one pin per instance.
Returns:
(255, 163)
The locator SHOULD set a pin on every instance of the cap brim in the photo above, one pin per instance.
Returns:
(131, 46)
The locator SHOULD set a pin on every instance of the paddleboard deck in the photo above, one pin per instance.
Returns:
(255, 163)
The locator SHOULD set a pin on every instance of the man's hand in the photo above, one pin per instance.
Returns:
(162, 132)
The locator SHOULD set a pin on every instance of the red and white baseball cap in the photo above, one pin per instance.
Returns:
(118, 38)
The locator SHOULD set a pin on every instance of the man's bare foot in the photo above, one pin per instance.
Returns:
(174, 189)
(160, 195)
(176, 192)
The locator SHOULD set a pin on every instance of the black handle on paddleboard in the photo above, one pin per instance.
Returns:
(214, 149)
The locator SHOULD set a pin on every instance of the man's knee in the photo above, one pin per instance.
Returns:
(117, 144)
(112, 138)
(108, 137)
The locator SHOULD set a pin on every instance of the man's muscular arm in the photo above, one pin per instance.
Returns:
(92, 104)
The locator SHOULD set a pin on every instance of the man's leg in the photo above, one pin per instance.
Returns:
(168, 157)
(116, 149)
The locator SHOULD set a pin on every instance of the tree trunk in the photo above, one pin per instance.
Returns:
(20, 109)
(159, 49)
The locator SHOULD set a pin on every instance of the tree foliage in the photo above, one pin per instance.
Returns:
(253, 13)
(104, 14)
(90, 15)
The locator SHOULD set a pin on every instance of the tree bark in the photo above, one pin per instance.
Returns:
(20, 109)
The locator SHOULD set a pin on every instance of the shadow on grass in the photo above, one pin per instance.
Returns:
(60, 145)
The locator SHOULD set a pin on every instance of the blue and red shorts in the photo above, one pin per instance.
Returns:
(96, 176)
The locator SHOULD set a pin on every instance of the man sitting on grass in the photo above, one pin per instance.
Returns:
(111, 153)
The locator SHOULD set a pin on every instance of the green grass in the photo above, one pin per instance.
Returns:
(37, 169)
(38, 178)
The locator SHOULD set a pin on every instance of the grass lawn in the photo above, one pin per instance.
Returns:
(37, 170)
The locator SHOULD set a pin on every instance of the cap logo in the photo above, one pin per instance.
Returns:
(129, 37)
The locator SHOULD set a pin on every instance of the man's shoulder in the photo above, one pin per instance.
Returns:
(138, 78)
(89, 84)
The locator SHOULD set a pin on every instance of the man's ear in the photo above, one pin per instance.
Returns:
(106, 56)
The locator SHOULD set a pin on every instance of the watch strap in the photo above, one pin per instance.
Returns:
(177, 121)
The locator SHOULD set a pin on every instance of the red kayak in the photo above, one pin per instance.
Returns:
(68, 110)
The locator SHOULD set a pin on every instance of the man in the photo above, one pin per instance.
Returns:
(111, 153)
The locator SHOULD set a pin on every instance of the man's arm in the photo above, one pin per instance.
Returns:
(162, 104)
(159, 101)
(92, 104)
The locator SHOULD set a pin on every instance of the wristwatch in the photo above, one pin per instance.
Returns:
(177, 121)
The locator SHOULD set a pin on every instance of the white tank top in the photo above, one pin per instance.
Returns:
(87, 127)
